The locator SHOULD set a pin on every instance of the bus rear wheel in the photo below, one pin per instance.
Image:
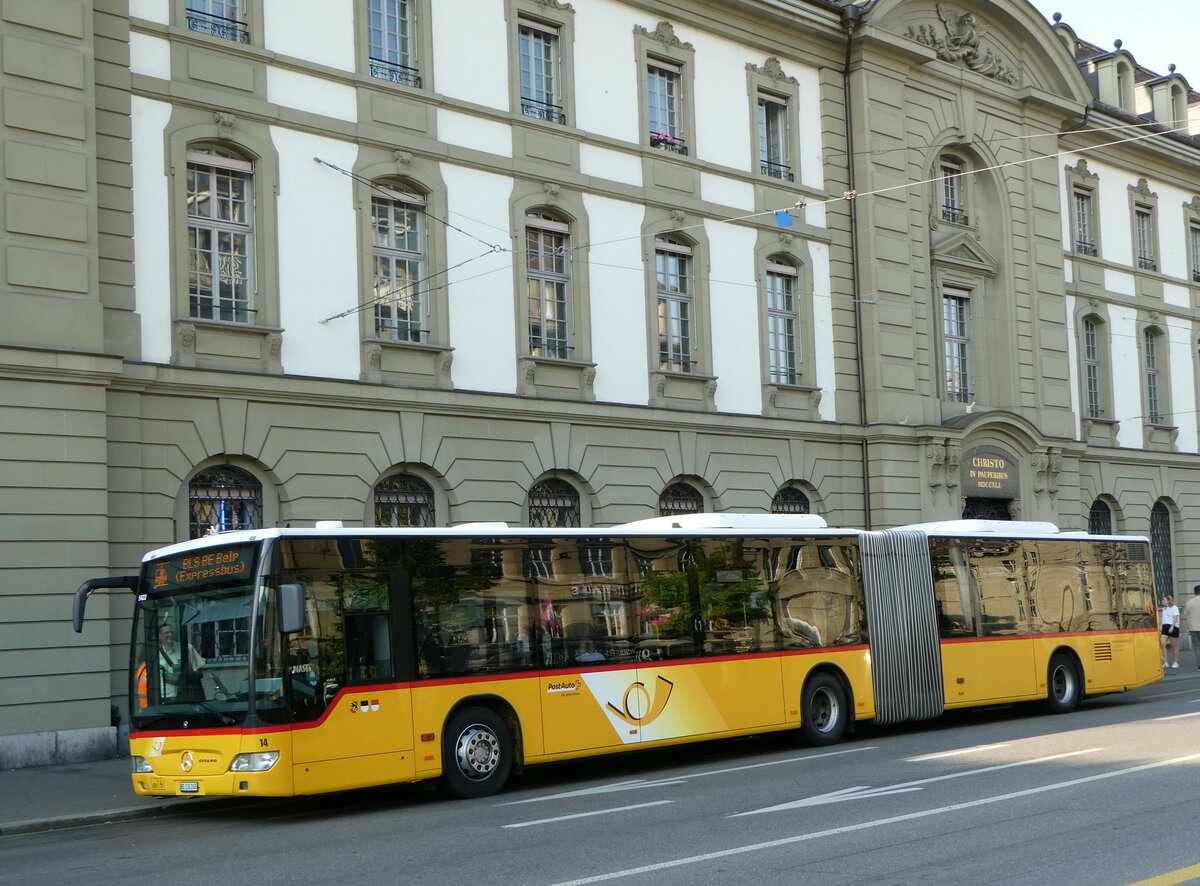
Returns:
(1062, 685)
(823, 710)
(477, 753)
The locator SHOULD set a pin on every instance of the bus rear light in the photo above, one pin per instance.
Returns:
(140, 764)
(260, 762)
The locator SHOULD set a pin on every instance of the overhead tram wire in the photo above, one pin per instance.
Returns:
(394, 194)
(391, 193)
(990, 142)
(855, 195)
(494, 248)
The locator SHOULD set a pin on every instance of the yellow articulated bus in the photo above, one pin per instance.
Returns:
(283, 662)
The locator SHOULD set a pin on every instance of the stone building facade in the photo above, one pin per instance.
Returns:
(585, 262)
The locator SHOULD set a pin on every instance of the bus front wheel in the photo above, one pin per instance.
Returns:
(823, 710)
(1062, 685)
(477, 753)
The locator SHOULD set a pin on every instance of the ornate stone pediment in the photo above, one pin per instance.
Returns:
(664, 33)
(958, 40)
(963, 251)
(772, 70)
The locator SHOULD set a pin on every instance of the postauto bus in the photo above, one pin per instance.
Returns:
(298, 661)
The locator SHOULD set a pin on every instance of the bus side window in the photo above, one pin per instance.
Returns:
(368, 646)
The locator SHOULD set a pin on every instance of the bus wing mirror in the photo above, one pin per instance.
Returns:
(94, 584)
(290, 603)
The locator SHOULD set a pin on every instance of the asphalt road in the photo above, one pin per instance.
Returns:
(1106, 795)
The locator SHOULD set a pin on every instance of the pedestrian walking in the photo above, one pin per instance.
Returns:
(1169, 633)
(1191, 614)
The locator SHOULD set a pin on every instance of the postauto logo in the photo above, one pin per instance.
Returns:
(638, 698)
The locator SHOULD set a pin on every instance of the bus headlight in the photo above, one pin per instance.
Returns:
(140, 764)
(254, 762)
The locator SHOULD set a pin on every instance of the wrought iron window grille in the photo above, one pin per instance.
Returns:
(204, 309)
(549, 349)
(1085, 248)
(539, 110)
(401, 332)
(954, 215)
(217, 26)
(775, 170)
(1147, 264)
(385, 70)
(668, 142)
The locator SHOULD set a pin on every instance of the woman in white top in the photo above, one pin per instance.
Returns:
(1169, 638)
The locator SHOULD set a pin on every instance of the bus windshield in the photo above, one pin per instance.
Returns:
(191, 648)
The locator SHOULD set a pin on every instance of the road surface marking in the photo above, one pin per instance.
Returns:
(866, 825)
(529, 824)
(943, 754)
(866, 791)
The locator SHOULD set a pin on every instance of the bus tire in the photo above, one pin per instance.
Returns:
(1062, 685)
(477, 753)
(824, 710)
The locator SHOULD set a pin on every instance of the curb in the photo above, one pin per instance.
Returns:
(113, 816)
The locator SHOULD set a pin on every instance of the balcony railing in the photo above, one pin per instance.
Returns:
(1196, 275)
(1147, 264)
(1085, 248)
(217, 26)
(396, 73)
(668, 142)
(775, 170)
(953, 214)
(540, 110)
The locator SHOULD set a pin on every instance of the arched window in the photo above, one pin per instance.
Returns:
(783, 346)
(223, 498)
(952, 189)
(1124, 86)
(790, 500)
(398, 253)
(676, 329)
(1093, 365)
(1160, 548)
(680, 498)
(403, 500)
(1152, 369)
(553, 503)
(1100, 518)
(220, 235)
(1179, 116)
(547, 276)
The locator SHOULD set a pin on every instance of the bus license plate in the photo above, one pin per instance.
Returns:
(189, 787)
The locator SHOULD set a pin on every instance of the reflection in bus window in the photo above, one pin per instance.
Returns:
(817, 587)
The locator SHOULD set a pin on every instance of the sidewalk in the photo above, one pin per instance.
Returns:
(49, 797)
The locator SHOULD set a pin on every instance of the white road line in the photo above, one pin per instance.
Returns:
(944, 754)
(866, 825)
(1179, 716)
(529, 824)
(680, 779)
(861, 792)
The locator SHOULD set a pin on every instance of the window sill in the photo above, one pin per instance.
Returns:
(680, 390)
(221, 344)
(1100, 431)
(1160, 438)
(798, 402)
(549, 378)
(406, 364)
